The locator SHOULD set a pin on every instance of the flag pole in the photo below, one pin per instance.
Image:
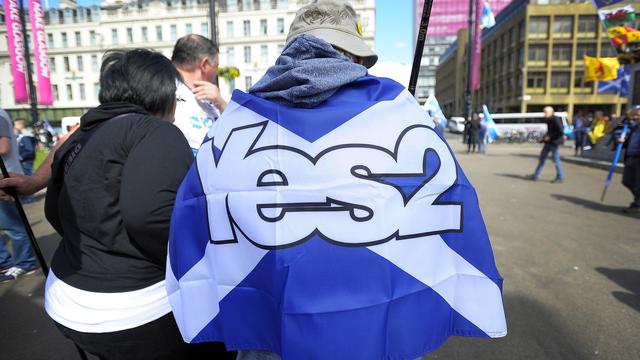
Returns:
(422, 35)
(32, 238)
(33, 97)
(616, 157)
(472, 30)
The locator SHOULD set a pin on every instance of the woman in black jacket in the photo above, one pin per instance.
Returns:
(111, 197)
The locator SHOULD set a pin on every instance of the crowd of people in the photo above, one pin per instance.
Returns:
(476, 135)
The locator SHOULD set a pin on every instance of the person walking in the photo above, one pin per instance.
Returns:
(552, 141)
(473, 134)
(580, 129)
(22, 261)
(631, 174)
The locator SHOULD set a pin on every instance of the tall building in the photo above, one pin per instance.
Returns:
(251, 35)
(530, 59)
(447, 18)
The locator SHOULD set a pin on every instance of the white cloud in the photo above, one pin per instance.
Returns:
(393, 70)
(400, 45)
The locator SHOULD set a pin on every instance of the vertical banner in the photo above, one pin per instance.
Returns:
(476, 55)
(41, 59)
(15, 36)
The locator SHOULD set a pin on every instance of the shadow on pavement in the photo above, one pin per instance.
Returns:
(628, 279)
(515, 176)
(535, 332)
(594, 205)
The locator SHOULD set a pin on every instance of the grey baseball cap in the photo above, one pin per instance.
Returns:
(335, 22)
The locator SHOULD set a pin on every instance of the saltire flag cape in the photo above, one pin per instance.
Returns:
(491, 125)
(346, 231)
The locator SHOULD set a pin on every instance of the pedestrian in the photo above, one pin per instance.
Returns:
(110, 197)
(473, 133)
(552, 141)
(199, 102)
(631, 174)
(580, 129)
(22, 261)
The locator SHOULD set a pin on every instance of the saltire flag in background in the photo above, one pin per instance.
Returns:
(492, 130)
(619, 85)
(602, 3)
(433, 109)
(346, 231)
(488, 20)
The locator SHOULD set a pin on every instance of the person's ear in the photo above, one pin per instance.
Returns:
(202, 64)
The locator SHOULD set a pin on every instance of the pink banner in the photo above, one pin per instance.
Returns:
(476, 55)
(41, 59)
(15, 37)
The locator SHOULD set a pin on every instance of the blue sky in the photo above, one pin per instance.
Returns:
(394, 37)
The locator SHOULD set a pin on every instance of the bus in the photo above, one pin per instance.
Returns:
(525, 127)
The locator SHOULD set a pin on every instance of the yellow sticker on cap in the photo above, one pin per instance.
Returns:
(359, 27)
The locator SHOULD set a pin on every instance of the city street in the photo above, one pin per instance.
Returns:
(570, 265)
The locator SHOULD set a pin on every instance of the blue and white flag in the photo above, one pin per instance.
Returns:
(492, 130)
(619, 85)
(346, 231)
(432, 107)
(488, 20)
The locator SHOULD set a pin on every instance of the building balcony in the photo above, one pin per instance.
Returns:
(583, 90)
(535, 90)
(559, 90)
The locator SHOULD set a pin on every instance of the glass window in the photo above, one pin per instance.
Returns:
(607, 50)
(52, 64)
(280, 48)
(585, 49)
(232, 84)
(145, 34)
(174, 32)
(280, 26)
(93, 39)
(248, 82)
(264, 54)
(579, 86)
(65, 41)
(247, 54)
(539, 27)
(538, 55)
(83, 95)
(536, 80)
(69, 92)
(560, 82)
(247, 5)
(188, 29)
(50, 40)
(56, 94)
(230, 28)
(562, 26)
(247, 27)
(129, 35)
(263, 26)
(78, 38)
(561, 54)
(231, 56)
(114, 36)
(204, 29)
(587, 26)
(159, 33)
(80, 62)
(94, 63)
(96, 90)
(67, 67)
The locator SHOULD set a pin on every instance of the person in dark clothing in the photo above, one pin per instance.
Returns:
(580, 130)
(631, 174)
(552, 141)
(473, 133)
(110, 197)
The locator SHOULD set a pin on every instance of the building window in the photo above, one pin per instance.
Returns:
(585, 49)
(537, 55)
(204, 29)
(94, 63)
(587, 26)
(188, 29)
(247, 5)
(50, 40)
(52, 64)
(145, 34)
(83, 95)
(67, 67)
(93, 38)
(280, 26)
(607, 50)
(280, 48)
(264, 54)
(561, 55)
(521, 30)
(536, 82)
(174, 32)
(129, 35)
(114, 36)
(96, 90)
(231, 56)
(80, 62)
(538, 27)
(56, 94)
(159, 33)
(65, 41)
(560, 82)
(69, 93)
(248, 82)
(579, 86)
(562, 27)
(246, 25)
(229, 28)
(78, 38)
(247, 54)
(263, 27)
(232, 84)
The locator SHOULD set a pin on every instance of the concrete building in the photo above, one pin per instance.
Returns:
(251, 34)
(530, 59)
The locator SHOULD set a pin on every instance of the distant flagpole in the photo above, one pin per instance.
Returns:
(422, 35)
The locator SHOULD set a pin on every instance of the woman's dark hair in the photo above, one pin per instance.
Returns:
(141, 77)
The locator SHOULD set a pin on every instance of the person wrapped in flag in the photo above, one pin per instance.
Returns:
(325, 216)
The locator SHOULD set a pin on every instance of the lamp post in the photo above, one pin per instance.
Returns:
(472, 30)
(214, 35)
(33, 98)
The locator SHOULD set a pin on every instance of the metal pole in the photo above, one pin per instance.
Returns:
(213, 30)
(422, 35)
(33, 98)
(472, 30)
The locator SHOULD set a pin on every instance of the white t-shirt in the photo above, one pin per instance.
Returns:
(193, 117)
(12, 159)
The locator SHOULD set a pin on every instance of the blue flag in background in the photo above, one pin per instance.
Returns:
(488, 20)
(491, 125)
(619, 85)
(603, 3)
(346, 231)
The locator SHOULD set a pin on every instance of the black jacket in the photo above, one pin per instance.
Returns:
(114, 205)
(555, 130)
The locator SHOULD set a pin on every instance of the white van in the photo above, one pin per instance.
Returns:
(456, 124)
